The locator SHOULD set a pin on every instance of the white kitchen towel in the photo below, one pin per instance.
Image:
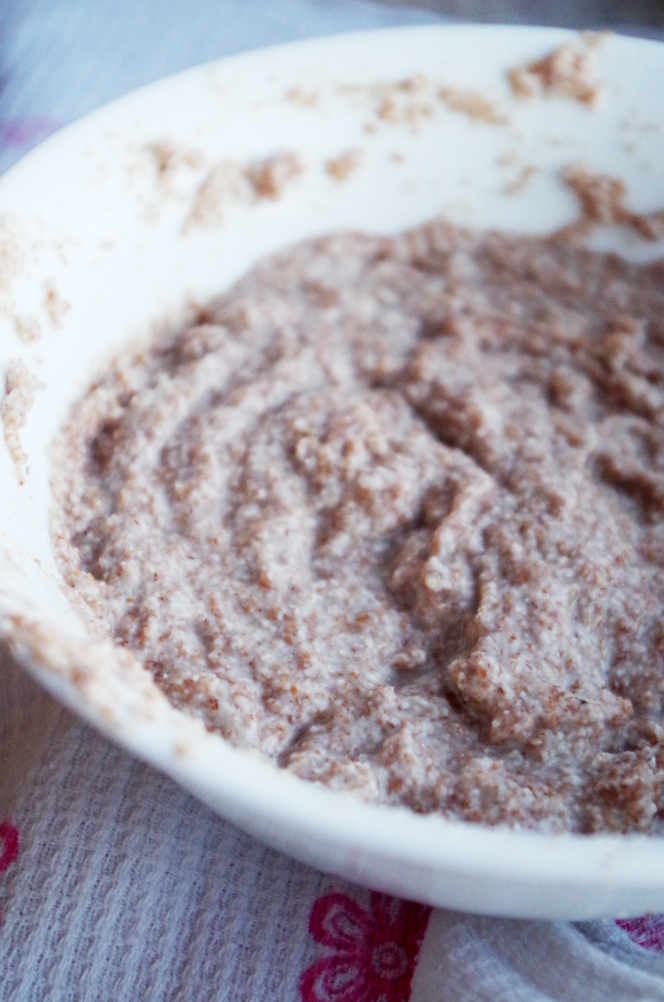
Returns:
(115, 885)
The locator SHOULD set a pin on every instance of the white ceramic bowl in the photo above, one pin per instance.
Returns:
(88, 220)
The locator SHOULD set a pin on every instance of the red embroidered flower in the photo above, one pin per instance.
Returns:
(647, 931)
(9, 846)
(371, 953)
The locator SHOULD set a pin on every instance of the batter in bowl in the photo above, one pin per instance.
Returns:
(390, 512)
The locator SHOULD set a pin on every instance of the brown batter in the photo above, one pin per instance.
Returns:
(391, 512)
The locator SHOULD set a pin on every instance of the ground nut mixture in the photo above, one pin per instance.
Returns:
(392, 512)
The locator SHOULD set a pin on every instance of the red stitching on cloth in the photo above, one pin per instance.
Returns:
(9, 840)
(24, 132)
(647, 931)
(371, 952)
